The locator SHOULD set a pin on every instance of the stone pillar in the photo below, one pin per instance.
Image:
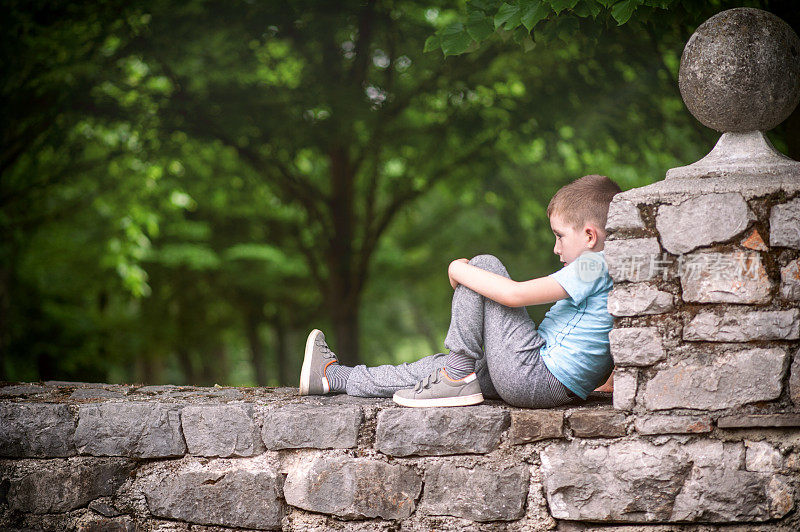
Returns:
(706, 263)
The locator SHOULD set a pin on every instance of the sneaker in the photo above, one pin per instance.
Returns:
(317, 358)
(438, 389)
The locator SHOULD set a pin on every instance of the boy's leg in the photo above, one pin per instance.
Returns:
(383, 381)
(507, 339)
(321, 372)
(509, 367)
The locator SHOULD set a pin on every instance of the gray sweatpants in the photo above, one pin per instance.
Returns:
(503, 341)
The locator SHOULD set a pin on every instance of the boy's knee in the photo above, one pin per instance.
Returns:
(482, 261)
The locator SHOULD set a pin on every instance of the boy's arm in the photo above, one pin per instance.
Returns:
(539, 291)
(504, 290)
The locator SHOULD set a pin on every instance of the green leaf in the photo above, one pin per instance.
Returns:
(622, 11)
(588, 8)
(487, 6)
(478, 26)
(455, 39)
(520, 34)
(432, 43)
(528, 44)
(506, 15)
(560, 5)
(532, 12)
(567, 28)
(259, 252)
(563, 28)
(193, 256)
(662, 4)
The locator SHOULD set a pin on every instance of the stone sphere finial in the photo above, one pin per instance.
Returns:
(740, 71)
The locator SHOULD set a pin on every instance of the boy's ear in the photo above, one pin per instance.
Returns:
(592, 234)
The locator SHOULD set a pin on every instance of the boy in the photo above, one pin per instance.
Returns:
(495, 348)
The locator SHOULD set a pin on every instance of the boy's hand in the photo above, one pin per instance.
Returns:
(453, 282)
(608, 386)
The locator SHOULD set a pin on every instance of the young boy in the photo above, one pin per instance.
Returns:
(495, 349)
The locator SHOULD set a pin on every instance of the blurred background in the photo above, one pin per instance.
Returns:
(188, 188)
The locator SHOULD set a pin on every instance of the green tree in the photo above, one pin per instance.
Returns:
(211, 180)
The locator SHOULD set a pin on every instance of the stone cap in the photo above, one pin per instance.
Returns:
(740, 71)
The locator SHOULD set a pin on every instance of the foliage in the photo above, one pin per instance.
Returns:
(188, 188)
(530, 22)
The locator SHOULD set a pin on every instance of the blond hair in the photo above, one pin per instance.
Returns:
(584, 200)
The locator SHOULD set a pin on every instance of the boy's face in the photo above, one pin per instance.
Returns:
(570, 243)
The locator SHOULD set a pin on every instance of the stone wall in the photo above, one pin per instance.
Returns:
(705, 299)
(112, 457)
(703, 432)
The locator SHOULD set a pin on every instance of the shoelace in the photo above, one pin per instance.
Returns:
(326, 351)
(427, 382)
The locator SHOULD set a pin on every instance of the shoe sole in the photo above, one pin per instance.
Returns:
(465, 400)
(305, 373)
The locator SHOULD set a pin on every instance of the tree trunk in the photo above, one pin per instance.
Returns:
(185, 362)
(252, 323)
(8, 248)
(424, 328)
(344, 316)
(342, 294)
(214, 365)
(282, 358)
(148, 373)
(5, 308)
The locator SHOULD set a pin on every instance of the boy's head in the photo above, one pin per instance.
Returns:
(578, 214)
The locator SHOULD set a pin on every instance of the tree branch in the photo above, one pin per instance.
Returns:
(290, 184)
(358, 74)
(401, 199)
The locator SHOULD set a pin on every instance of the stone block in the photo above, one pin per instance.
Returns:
(62, 485)
(790, 281)
(22, 390)
(94, 523)
(478, 493)
(623, 215)
(630, 259)
(636, 346)
(637, 299)
(243, 493)
(784, 224)
(625, 385)
(658, 424)
(738, 277)
(221, 430)
(754, 241)
(534, 425)
(190, 392)
(353, 487)
(36, 430)
(136, 429)
(794, 379)
(701, 221)
(713, 382)
(597, 423)
(637, 481)
(440, 431)
(96, 393)
(743, 326)
(296, 426)
(731, 495)
(746, 421)
(761, 456)
(102, 507)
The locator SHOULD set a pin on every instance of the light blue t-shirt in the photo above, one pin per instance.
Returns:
(576, 328)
